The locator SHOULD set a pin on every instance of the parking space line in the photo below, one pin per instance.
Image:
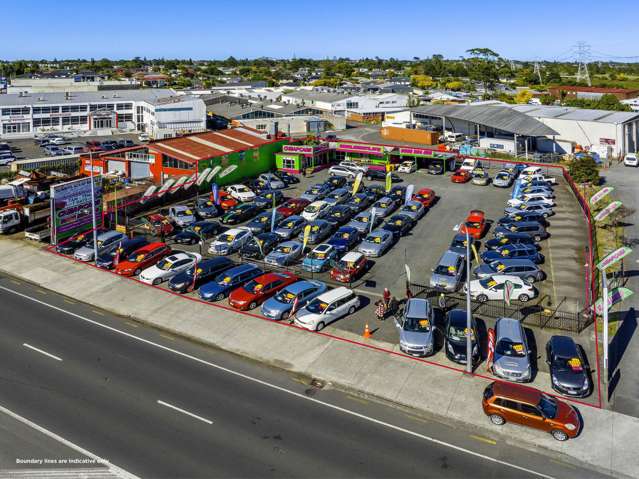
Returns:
(355, 398)
(482, 439)
(33, 348)
(200, 418)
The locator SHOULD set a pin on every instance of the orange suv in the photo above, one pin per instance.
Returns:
(530, 407)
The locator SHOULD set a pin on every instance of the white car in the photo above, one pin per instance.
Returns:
(316, 210)
(273, 181)
(407, 167)
(469, 164)
(230, 241)
(630, 159)
(342, 171)
(539, 177)
(516, 202)
(326, 308)
(241, 193)
(492, 288)
(530, 170)
(354, 166)
(168, 267)
(57, 140)
(538, 195)
(181, 215)
(144, 137)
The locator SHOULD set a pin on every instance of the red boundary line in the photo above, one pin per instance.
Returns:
(331, 336)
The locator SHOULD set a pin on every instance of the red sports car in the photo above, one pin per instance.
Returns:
(475, 224)
(226, 201)
(425, 196)
(293, 206)
(258, 290)
(461, 176)
(142, 258)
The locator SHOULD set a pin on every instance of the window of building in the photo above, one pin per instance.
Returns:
(45, 110)
(39, 122)
(74, 120)
(352, 104)
(170, 162)
(261, 126)
(125, 117)
(24, 110)
(124, 106)
(73, 108)
(9, 128)
(288, 163)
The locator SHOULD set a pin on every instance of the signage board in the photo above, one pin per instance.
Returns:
(615, 296)
(416, 151)
(608, 210)
(360, 148)
(600, 194)
(71, 211)
(614, 257)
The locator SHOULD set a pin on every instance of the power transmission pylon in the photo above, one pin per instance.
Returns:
(583, 55)
(538, 72)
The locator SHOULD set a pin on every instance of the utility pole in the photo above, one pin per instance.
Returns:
(538, 72)
(469, 314)
(583, 55)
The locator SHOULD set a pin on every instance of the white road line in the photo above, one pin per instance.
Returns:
(41, 352)
(183, 411)
(284, 390)
(112, 467)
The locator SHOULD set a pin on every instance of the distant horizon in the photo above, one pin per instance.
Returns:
(209, 31)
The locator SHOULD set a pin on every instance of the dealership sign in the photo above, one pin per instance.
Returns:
(306, 150)
(614, 257)
(608, 210)
(415, 151)
(71, 207)
(600, 194)
(360, 148)
(615, 296)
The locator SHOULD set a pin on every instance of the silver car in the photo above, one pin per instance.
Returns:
(480, 178)
(449, 272)
(503, 179)
(512, 355)
(338, 196)
(362, 221)
(106, 243)
(522, 268)
(290, 227)
(285, 253)
(414, 209)
(385, 206)
(543, 210)
(416, 328)
(376, 243)
(320, 230)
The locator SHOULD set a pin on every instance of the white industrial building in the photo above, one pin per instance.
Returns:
(160, 113)
(339, 103)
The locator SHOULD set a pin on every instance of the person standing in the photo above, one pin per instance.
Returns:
(387, 297)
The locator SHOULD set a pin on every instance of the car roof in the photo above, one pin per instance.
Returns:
(518, 246)
(151, 246)
(108, 234)
(267, 235)
(509, 328)
(516, 262)
(234, 231)
(449, 258)
(178, 256)
(240, 268)
(324, 247)
(347, 229)
(517, 392)
(271, 276)
(417, 308)
(318, 202)
(299, 286)
(214, 261)
(180, 207)
(563, 345)
(291, 243)
(457, 317)
(412, 203)
(334, 294)
(385, 199)
(502, 278)
(352, 256)
(380, 232)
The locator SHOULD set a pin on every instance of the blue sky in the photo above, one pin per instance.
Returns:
(213, 29)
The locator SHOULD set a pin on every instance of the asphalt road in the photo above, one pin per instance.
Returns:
(159, 406)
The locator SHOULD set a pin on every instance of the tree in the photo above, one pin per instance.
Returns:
(552, 75)
(523, 96)
(547, 99)
(584, 170)
(454, 85)
(422, 81)
(483, 67)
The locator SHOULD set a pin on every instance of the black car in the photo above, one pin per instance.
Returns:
(399, 225)
(205, 208)
(339, 215)
(510, 238)
(106, 260)
(287, 178)
(125, 143)
(373, 174)
(258, 186)
(569, 371)
(455, 337)
(207, 270)
(198, 231)
(262, 222)
(377, 190)
(398, 192)
(336, 182)
(522, 216)
(259, 245)
(360, 201)
(77, 241)
(265, 199)
(240, 213)
(436, 168)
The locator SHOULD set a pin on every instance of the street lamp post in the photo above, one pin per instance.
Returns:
(604, 301)
(95, 226)
(469, 317)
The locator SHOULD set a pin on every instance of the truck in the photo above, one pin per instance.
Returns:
(33, 218)
(11, 193)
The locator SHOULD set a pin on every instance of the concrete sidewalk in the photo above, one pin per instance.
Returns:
(606, 444)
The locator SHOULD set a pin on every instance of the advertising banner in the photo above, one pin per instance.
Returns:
(416, 152)
(615, 296)
(614, 257)
(600, 194)
(71, 207)
(357, 183)
(359, 148)
(608, 210)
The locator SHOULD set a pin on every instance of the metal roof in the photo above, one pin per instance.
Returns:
(150, 95)
(310, 95)
(576, 114)
(494, 116)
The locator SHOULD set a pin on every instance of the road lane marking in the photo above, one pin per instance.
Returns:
(185, 412)
(166, 336)
(41, 351)
(282, 389)
(131, 324)
(118, 471)
(97, 312)
(70, 301)
(482, 439)
(355, 398)
(41, 291)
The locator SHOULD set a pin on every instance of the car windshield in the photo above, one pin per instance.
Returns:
(253, 287)
(264, 219)
(283, 249)
(506, 347)
(572, 363)
(458, 333)
(345, 265)
(362, 219)
(315, 190)
(418, 325)
(183, 213)
(445, 270)
(228, 238)
(317, 306)
(548, 406)
(424, 196)
(473, 224)
(383, 204)
(285, 297)
(318, 254)
(488, 283)
(165, 265)
(377, 239)
(313, 208)
(502, 176)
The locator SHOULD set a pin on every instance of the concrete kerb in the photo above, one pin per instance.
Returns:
(440, 392)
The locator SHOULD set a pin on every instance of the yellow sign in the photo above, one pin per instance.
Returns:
(518, 347)
(389, 181)
(357, 182)
(120, 228)
(307, 233)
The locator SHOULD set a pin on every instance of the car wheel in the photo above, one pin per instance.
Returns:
(524, 298)
(537, 238)
(559, 435)
(497, 419)
(156, 281)
(137, 272)
(285, 315)
(482, 298)
(320, 326)
(531, 279)
(219, 297)
(351, 310)
(253, 305)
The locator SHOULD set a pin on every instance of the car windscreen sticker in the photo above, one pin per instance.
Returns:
(518, 347)
(575, 364)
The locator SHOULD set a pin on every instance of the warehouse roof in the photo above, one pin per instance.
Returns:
(202, 146)
(311, 95)
(234, 109)
(576, 114)
(150, 95)
(494, 116)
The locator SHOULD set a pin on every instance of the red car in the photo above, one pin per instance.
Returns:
(293, 206)
(349, 267)
(226, 200)
(160, 224)
(142, 258)
(258, 290)
(461, 176)
(475, 224)
(425, 196)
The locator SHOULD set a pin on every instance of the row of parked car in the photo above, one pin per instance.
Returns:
(57, 145)
(6, 154)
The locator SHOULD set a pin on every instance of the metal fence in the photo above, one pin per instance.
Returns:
(531, 314)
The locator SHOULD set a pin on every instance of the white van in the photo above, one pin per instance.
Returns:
(630, 160)
(453, 137)
(326, 308)
(469, 164)
(530, 171)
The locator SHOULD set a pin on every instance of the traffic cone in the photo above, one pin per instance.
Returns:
(367, 331)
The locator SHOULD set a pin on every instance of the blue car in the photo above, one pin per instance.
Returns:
(320, 258)
(317, 192)
(513, 251)
(279, 306)
(225, 282)
(344, 239)
(265, 199)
